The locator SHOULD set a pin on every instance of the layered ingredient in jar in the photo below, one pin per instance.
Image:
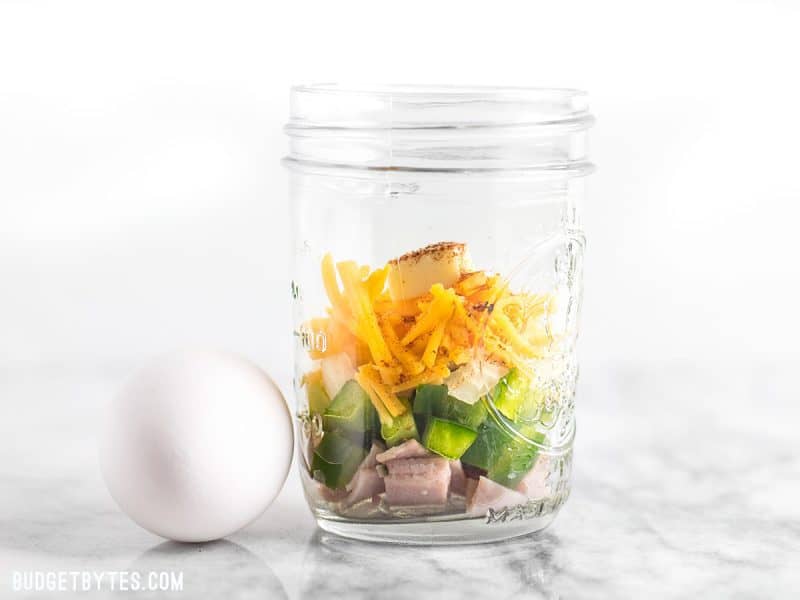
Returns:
(423, 397)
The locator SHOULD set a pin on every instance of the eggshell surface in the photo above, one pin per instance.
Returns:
(196, 445)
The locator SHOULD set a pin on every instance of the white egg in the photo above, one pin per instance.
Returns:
(196, 445)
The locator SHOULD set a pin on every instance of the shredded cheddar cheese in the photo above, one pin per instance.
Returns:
(398, 344)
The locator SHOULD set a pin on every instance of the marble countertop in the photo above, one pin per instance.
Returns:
(686, 483)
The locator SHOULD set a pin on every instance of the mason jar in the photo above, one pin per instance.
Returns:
(438, 256)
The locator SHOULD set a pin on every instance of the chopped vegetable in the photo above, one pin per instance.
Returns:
(511, 394)
(469, 415)
(475, 379)
(447, 438)
(505, 457)
(516, 462)
(336, 460)
(428, 398)
(433, 400)
(336, 371)
(351, 410)
(318, 400)
(518, 399)
(490, 444)
(399, 429)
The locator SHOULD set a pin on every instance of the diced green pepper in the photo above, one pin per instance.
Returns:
(428, 398)
(511, 394)
(489, 445)
(350, 410)
(400, 429)
(336, 460)
(520, 401)
(433, 401)
(469, 415)
(317, 398)
(517, 460)
(375, 425)
(448, 438)
(335, 476)
(504, 456)
(334, 448)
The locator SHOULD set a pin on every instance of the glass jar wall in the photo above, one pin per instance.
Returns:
(437, 287)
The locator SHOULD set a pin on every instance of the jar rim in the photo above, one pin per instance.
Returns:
(422, 90)
(317, 106)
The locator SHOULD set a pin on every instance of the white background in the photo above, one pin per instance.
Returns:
(143, 206)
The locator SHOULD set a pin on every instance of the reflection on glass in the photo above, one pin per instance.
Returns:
(335, 567)
(216, 569)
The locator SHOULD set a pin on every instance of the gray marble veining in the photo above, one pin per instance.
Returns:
(686, 484)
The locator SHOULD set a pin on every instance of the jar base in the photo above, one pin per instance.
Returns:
(434, 533)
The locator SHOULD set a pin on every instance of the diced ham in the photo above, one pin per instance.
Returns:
(328, 494)
(469, 488)
(458, 481)
(417, 481)
(408, 449)
(534, 484)
(372, 458)
(424, 465)
(488, 494)
(366, 482)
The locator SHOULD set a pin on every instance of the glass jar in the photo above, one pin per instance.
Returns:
(437, 286)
